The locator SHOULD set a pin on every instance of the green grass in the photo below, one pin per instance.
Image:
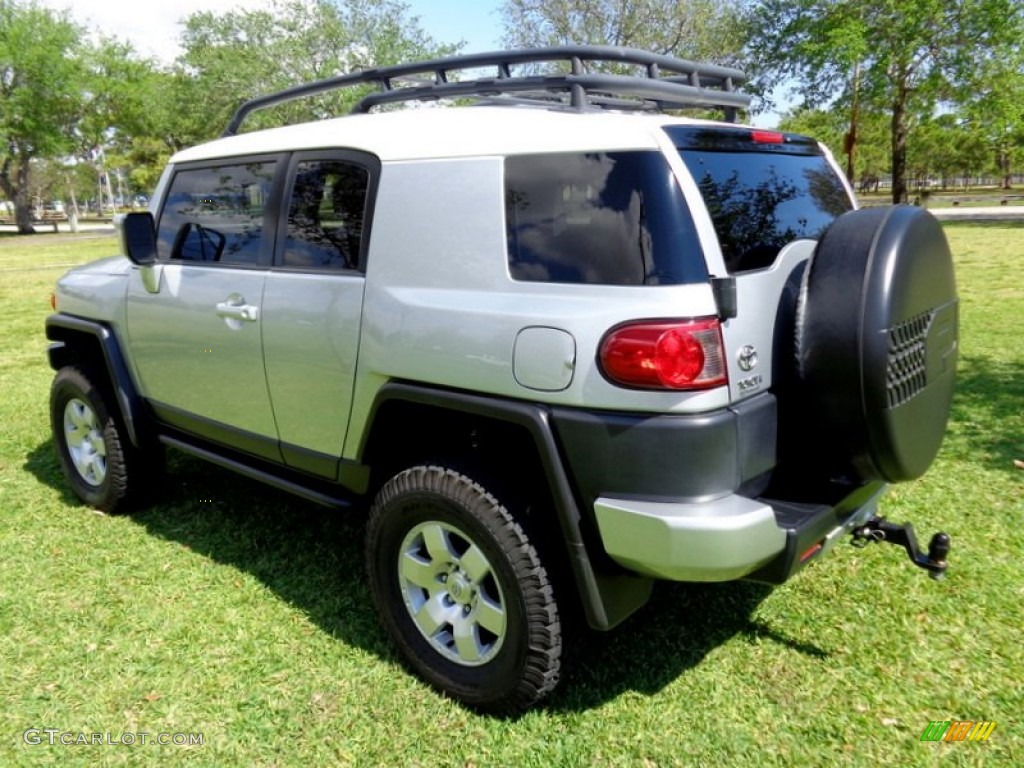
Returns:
(240, 613)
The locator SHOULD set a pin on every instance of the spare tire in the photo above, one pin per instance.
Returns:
(876, 342)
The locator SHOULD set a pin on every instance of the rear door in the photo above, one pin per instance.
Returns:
(313, 301)
(770, 196)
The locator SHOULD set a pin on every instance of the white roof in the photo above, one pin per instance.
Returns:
(437, 132)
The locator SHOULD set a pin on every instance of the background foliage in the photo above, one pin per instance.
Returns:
(926, 93)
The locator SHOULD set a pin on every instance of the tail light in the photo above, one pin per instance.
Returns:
(677, 354)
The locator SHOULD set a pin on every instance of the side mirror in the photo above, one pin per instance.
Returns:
(138, 237)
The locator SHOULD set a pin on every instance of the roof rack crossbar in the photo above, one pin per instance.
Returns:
(670, 82)
(579, 87)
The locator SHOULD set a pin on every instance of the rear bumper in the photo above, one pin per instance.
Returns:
(683, 496)
(728, 538)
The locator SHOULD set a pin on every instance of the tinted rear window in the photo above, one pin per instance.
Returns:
(611, 218)
(761, 196)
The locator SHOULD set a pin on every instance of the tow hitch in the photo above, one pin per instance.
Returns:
(880, 529)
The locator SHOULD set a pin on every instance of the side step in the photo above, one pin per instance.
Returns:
(309, 488)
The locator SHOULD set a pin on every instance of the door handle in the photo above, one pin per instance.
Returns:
(238, 310)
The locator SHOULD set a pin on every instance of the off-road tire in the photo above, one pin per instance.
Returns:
(435, 527)
(95, 453)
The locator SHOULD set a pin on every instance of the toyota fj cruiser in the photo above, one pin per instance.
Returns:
(562, 342)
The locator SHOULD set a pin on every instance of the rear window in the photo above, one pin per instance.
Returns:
(762, 189)
(609, 218)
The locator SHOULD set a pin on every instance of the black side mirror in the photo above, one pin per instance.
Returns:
(138, 237)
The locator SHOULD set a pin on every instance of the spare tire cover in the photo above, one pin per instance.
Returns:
(876, 342)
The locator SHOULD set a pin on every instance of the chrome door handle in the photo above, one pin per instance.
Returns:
(238, 311)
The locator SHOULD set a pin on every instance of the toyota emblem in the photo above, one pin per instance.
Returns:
(747, 358)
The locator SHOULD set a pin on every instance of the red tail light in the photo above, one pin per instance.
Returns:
(767, 137)
(665, 355)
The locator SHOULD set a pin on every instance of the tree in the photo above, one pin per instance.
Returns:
(997, 112)
(231, 57)
(704, 30)
(116, 110)
(41, 75)
(910, 54)
(947, 147)
(830, 127)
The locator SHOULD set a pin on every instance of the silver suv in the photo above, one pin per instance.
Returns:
(561, 342)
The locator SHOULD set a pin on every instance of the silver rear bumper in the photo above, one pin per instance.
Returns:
(718, 540)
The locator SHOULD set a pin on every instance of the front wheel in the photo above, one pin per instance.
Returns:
(99, 461)
(461, 590)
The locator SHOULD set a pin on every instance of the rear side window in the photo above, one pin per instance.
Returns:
(215, 215)
(610, 218)
(325, 215)
(762, 189)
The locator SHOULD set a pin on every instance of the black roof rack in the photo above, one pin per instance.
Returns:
(667, 82)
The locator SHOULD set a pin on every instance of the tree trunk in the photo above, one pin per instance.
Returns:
(73, 210)
(899, 146)
(851, 137)
(23, 200)
(23, 215)
(17, 191)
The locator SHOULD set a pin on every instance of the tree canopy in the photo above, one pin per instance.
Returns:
(912, 88)
(902, 56)
(68, 95)
(42, 73)
(231, 57)
(705, 30)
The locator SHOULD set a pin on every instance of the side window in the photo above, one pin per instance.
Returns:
(325, 215)
(215, 215)
(607, 218)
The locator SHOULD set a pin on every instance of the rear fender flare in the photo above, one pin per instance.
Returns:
(607, 598)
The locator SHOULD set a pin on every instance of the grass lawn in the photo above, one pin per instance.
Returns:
(239, 613)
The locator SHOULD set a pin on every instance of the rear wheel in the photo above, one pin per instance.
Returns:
(461, 590)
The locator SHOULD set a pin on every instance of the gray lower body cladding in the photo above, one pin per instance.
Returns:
(670, 457)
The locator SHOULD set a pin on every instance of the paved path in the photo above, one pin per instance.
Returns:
(102, 227)
(988, 213)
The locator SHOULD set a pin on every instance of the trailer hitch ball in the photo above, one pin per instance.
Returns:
(879, 529)
(938, 551)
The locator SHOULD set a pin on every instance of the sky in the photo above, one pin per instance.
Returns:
(152, 27)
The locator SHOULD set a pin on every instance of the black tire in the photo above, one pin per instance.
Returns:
(98, 459)
(470, 573)
(876, 342)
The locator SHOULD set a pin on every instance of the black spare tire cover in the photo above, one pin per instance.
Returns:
(876, 342)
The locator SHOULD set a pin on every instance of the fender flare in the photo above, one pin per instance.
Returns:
(607, 599)
(62, 331)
